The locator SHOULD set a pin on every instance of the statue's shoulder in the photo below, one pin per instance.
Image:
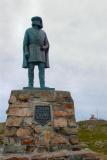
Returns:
(43, 32)
(29, 29)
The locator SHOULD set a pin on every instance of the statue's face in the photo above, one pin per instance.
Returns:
(36, 23)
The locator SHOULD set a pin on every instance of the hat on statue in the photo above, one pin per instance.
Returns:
(37, 21)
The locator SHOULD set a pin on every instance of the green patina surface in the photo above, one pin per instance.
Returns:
(35, 51)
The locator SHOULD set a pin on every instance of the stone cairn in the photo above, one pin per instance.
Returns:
(41, 125)
(24, 133)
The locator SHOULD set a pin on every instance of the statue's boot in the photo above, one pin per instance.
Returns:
(30, 85)
(42, 81)
(42, 85)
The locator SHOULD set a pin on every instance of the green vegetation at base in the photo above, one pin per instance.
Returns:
(94, 134)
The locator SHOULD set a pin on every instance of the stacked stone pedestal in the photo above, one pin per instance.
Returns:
(23, 134)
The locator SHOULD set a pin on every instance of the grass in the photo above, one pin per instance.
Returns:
(94, 134)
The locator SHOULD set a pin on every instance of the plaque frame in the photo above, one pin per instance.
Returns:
(46, 120)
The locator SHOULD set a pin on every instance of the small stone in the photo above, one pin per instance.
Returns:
(12, 100)
(67, 131)
(6, 140)
(37, 130)
(23, 132)
(60, 122)
(14, 121)
(62, 95)
(23, 97)
(99, 144)
(11, 140)
(47, 136)
(73, 140)
(27, 141)
(22, 112)
(69, 106)
(61, 114)
(71, 123)
(74, 131)
(27, 121)
(58, 140)
(10, 131)
(83, 145)
(57, 107)
(37, 140)
(20, 105)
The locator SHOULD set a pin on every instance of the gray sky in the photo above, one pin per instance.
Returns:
(77, 31)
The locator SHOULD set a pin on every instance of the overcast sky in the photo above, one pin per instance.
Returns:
(77, 32)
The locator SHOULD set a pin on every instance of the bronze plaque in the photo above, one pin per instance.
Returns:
(42, 114)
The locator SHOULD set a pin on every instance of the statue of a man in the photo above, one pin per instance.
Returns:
(35, 51)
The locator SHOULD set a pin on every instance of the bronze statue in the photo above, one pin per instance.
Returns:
(35, 51)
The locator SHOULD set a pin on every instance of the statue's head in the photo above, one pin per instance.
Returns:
(37, 21)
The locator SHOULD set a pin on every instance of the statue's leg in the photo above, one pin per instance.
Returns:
(31, 74)
(41, 67)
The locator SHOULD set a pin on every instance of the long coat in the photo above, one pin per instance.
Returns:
(32, 45)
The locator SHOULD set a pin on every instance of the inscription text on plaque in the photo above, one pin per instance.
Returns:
(42, 114)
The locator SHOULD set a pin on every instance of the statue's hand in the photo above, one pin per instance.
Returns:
(27, 55)
(43, 48)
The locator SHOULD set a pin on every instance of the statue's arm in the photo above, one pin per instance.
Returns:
(26, 44)
(46, 43)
